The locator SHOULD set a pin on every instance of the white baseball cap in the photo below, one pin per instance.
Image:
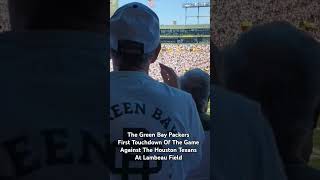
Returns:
(135, 22)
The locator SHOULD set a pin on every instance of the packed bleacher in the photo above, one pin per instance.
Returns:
(228, 16)
(4, 18)
(181, 58)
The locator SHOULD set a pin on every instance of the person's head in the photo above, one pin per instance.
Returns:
(197, 83)
(278, 65)
(134, 38)
(76, 15)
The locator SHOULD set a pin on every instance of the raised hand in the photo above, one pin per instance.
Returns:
(169, 76)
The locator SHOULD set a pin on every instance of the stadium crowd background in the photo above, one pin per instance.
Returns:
(4, 17)
(229, 18)
(181, 57)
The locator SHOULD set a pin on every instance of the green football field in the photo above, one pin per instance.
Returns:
(315, 158)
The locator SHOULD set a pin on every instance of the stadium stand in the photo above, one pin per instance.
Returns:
(228, 15)
(4, 18)
(185, 33)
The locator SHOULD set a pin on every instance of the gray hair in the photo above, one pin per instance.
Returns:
(197, 83)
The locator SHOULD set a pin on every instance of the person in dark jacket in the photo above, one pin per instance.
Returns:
(243, 146)
(278, 66)
(242, 143)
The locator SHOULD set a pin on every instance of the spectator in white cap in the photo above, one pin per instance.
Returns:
(54, 74)
(139, 103)
(134, 38)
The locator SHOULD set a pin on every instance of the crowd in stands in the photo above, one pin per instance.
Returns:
(228, 15)
(185, 31)
(181, 58)
(4, 16)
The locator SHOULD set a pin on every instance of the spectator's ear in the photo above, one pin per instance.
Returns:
(156, 54)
